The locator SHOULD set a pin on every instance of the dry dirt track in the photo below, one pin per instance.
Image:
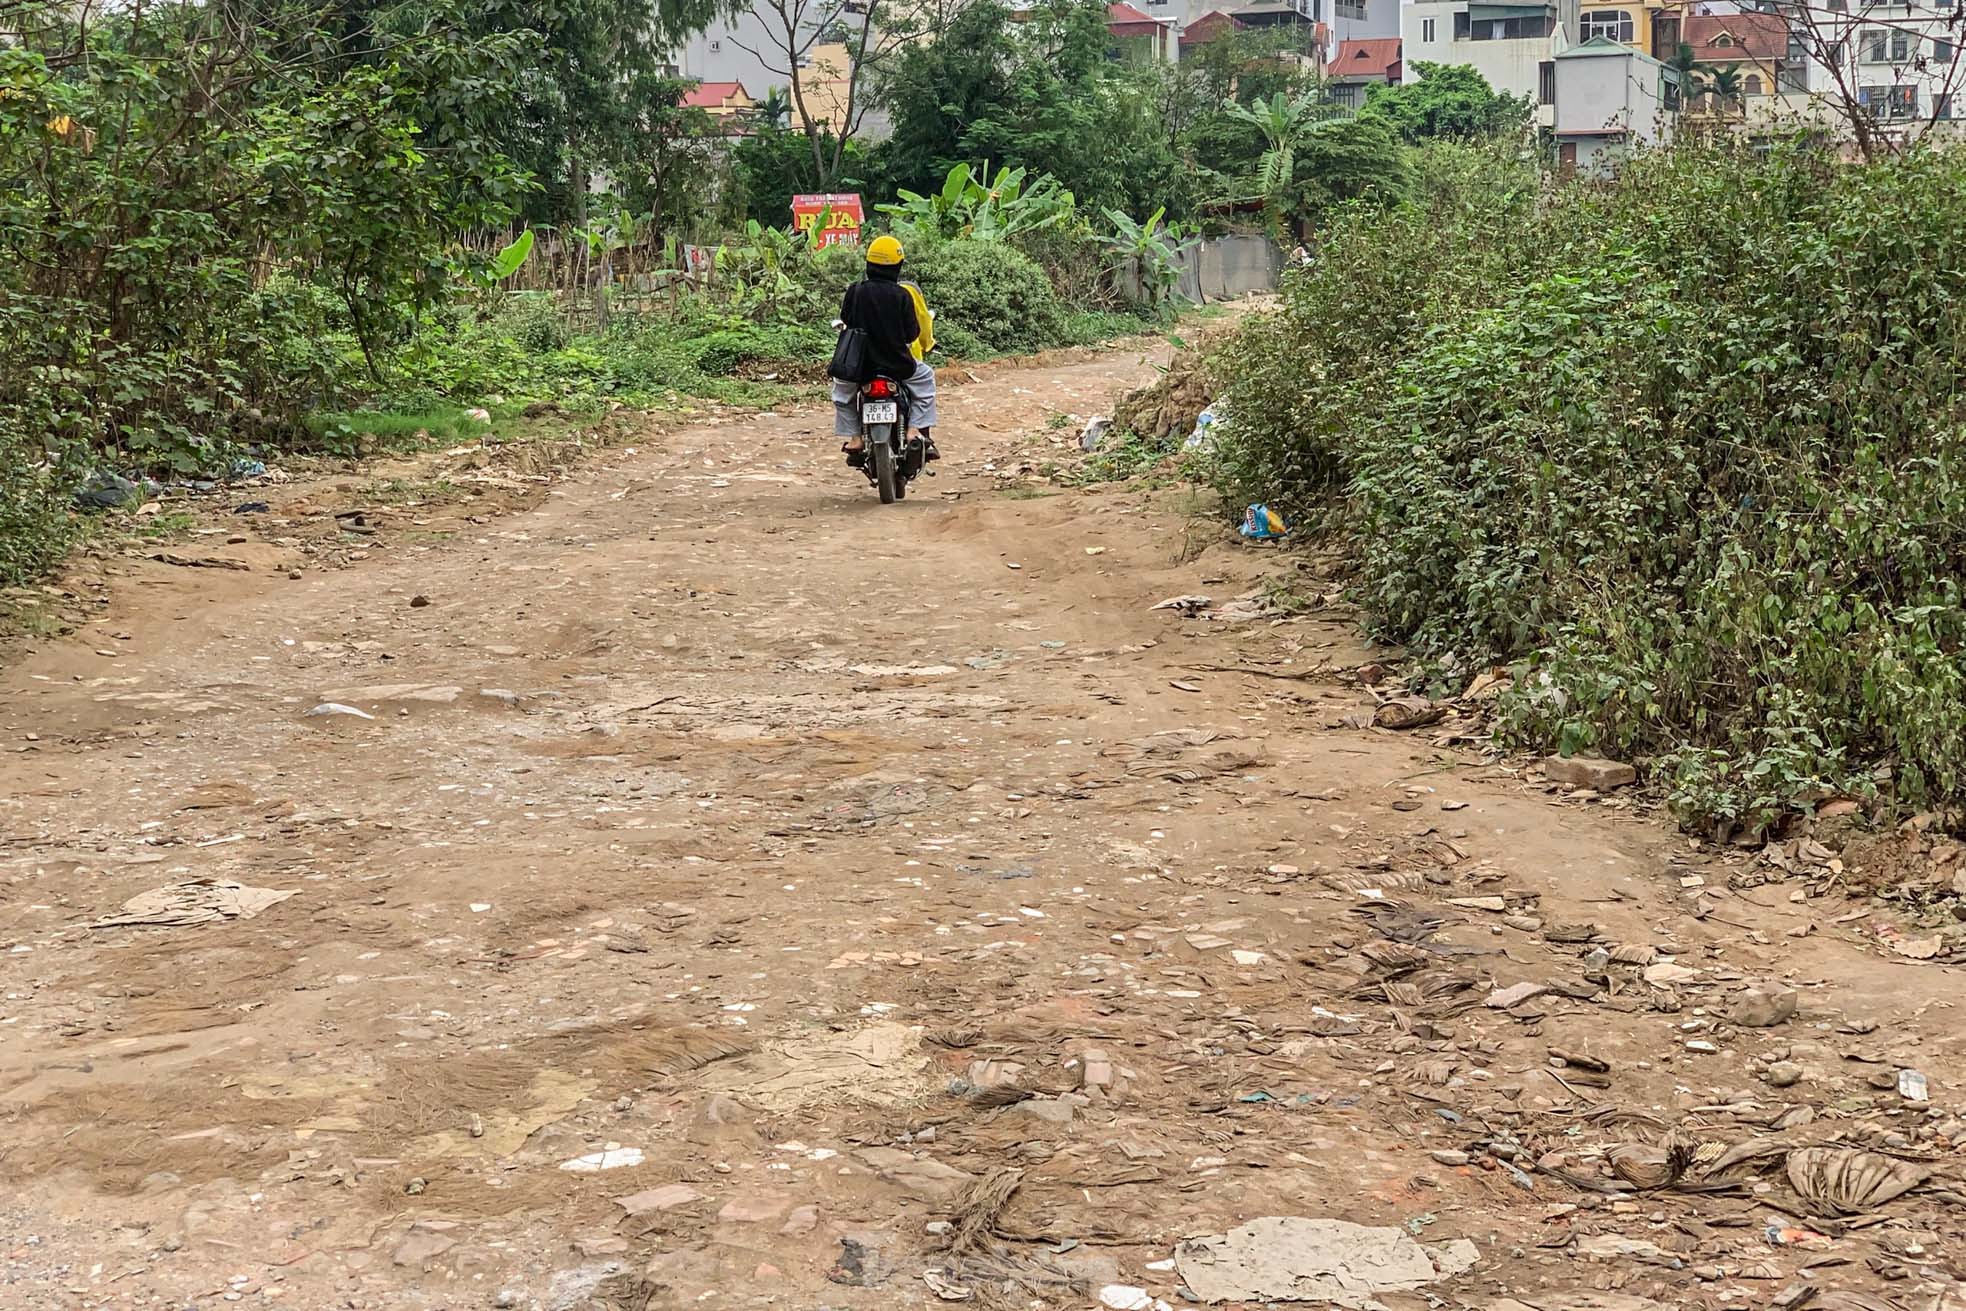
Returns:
(712, 812)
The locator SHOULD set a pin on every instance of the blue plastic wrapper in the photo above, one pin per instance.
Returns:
(1261, 523)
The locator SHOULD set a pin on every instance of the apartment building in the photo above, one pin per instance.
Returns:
(1512, 45)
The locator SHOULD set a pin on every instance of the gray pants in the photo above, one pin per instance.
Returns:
(921, 403)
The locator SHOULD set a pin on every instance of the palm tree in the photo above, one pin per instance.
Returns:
(1723, 85)
(1284, 123)
(775, 108)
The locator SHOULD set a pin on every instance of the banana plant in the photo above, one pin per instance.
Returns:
(1154, 249)
(1285, 123)
(973, 205)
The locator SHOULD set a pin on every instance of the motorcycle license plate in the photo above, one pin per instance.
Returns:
(880, 412)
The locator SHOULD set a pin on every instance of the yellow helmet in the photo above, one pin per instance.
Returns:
(884, 250)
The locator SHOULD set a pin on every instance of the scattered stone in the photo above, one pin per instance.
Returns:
(424, 1243)
(1762, 1005)
(754, 1208)
(1290, 1258)
(666, 1198)
(1503, 998)
(918, 1175)
(613, 1157)
(1784, 1074)
(1588, 772)
(1446, 1157)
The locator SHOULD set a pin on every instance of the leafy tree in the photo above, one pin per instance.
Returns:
(583, 103)
(773, 164)
(189, 205)
(1356, 159)
(1449, 100)
(1033, 90)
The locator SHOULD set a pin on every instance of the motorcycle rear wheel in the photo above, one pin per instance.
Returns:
(887, 478)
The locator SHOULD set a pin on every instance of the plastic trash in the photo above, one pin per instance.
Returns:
(1094, 433)
(327, 708)
(251, 507)
(246, 467)
(1203, 436)
(1260, 523)
(108, 491)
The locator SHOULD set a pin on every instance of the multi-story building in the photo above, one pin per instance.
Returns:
(1358, 65)
(1609, 99)
(1511, 45)
(1744, 68)
(1898, 65)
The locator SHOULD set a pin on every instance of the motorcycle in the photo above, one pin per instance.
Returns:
(891, 454)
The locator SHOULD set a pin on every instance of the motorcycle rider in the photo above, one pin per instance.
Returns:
(899, 331)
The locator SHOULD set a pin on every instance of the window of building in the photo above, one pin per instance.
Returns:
(1942, 105)
(1615, 24)
(1874, 45)
(1942, 51)
(1723, 40)
(1546, 82)
(1350, 9)
(1751, 84)
(1427, 30)
(1669, 93)
(1889, 102)
(1463, 26)
(1900, 47)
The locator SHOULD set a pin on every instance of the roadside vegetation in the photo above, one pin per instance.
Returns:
(356, 223)
(1684, 448)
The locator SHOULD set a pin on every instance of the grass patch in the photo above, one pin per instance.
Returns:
(165, 526)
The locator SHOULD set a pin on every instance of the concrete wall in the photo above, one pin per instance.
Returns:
(1224, 268)
(1596, 94)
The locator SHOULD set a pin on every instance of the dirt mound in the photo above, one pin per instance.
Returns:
(1168, 406)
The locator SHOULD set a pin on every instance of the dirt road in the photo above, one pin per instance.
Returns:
(736, 893)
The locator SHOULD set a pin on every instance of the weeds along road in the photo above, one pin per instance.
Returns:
(736, 893)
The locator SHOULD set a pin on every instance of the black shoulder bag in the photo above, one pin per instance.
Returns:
(849, 357)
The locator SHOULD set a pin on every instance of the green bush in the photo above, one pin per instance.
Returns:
(35, 525)
(988, 294)
(726, 350)
(1685, 446)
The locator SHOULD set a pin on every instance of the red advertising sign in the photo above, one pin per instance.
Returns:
(842, 213)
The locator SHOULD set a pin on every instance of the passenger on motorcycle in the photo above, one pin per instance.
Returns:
(899, 332)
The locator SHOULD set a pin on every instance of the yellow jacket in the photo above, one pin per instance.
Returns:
(924, 341)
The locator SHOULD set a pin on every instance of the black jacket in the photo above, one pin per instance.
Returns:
(882, 309)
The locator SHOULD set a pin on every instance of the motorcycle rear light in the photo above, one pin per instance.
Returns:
(879, 389)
